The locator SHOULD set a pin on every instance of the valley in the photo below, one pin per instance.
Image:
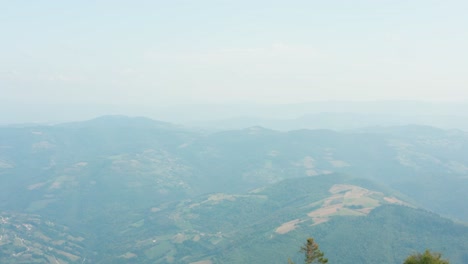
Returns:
(133, 190)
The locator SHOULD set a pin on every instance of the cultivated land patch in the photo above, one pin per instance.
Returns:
(344, 200)
(202, 262)
(288, 226)
(128, 255)
(221, 197)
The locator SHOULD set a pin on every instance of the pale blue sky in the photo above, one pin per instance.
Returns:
(177, 52)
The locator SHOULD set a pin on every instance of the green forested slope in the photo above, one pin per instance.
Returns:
(140, 190)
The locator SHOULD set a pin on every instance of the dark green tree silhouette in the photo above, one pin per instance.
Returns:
(312, 253)
(426, 258)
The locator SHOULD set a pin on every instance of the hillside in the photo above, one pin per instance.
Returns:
(352, 224)
(135, 189)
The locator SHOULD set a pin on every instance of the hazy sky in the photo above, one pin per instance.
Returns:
(166, 52)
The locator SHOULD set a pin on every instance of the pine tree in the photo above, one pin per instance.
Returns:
(312, 253)
(426, 258)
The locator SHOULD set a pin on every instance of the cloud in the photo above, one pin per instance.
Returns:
(273, 52)
(9, 74)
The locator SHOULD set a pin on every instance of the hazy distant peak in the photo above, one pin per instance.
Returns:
(312, 131)
(258, 130)
(122, 120)
(412, 129)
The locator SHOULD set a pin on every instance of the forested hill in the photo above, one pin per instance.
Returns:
(119, 189)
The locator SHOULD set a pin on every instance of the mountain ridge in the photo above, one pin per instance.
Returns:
(135, 181)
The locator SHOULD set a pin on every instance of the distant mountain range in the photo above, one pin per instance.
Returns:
(133, 190)
(341, 115)
(337, 121)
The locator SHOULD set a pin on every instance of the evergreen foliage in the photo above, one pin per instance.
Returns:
(427, 257)
(312, 253)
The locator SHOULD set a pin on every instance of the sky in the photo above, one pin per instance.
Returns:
(221, 51)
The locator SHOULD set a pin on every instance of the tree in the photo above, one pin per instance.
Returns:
(312, 253)
(426, 258)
